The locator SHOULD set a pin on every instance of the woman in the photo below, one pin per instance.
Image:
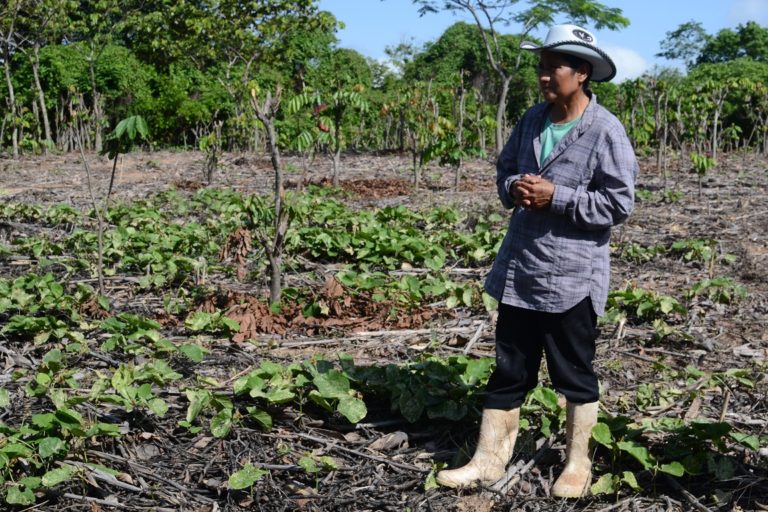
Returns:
(568, 173)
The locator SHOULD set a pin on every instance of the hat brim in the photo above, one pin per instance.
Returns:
(603, 68)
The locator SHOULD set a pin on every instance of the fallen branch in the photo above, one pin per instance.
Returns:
(515, 473)
(147, 472)
(334, 446)
(688, 496)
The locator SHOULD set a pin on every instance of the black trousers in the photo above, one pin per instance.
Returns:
(568, 341)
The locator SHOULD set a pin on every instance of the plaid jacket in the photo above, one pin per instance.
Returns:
(552, 259)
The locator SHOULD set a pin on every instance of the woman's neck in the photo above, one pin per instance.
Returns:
(569, 109)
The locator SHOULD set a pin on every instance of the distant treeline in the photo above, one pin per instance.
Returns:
(198, 73)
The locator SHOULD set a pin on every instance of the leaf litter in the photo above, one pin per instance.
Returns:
(384, 462)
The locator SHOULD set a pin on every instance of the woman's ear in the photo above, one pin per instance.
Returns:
(583, 72)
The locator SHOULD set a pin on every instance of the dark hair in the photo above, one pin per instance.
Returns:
(576, 62)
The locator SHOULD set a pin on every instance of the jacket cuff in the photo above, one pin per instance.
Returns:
(561, 198)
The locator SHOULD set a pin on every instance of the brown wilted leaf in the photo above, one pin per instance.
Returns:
(236, 249)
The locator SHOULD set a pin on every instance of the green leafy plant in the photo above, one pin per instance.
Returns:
(121, 140)
(639, 305)
(721, 290)
(432, 387)
(213, 323)
(246, 477)
(701, 165)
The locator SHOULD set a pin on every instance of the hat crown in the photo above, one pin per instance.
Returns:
(580, 42)
(565, 33)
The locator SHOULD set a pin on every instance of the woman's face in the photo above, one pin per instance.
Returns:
(558, 81)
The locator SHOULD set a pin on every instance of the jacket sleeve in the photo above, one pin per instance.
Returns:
(613, 197)
(506, 166)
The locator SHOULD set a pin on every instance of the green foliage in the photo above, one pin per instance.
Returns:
(721, 290)
(320, 383)
(637, 253)
(213, 323)
(432, 387)
(684, 43)
(701, 251)
(748, 40)
(127, 132)
(246, 477)
(638, 305)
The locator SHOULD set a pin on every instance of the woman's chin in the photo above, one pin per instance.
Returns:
(549, 96)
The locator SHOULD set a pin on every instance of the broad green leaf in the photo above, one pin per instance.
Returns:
(602, 434)
(748, 440)
(49, 446)
(546, 426)
(674, 468)
(102, 468)
(489, 302)
(16, 496)
(31, 482)
(261, 416)
(431, 481)
(53, 359)
(606, 484)
(466, 297)
(332, 384)
(198, 398)
(477, 370)
(628, 478)
(103, 302)
(233, 326)
(198, 321)
(450, 410)
(13, 449)
(246, 477)
(248, 383)
(59, 475)
(410, 407)
(352, 408)
(44, 420)
(639, 452)
(546, 397)
(158, 406)
(221, 423)
(5, 398)
(144, 392)
(193, 352)
(309, 464)
(279, 396)
(723, 468)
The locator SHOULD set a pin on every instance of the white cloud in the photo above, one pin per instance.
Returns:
(743, 11)
(629, 63)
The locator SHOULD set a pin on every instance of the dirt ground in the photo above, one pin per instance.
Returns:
(384, 461)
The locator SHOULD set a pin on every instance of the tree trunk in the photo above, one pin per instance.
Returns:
(719, 100)
(657, 120)
(266, 113)
(11, 94)
(336, 150)
(501, 111)
(96, 101)
(460, 131)
(277, 166)
(41, 97)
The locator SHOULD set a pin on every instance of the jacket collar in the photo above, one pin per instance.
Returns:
(587, 118)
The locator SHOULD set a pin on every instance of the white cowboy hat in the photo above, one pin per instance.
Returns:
(577, 41)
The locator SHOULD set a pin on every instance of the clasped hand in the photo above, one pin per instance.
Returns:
(532, 191)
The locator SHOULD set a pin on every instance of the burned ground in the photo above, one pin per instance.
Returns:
(384, 462)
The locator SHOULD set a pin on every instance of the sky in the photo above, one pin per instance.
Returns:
(373, 25)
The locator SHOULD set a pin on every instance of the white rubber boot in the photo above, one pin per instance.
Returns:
(498, 432)
(576, 478)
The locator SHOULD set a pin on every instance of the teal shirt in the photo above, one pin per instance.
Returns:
(551, 135)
